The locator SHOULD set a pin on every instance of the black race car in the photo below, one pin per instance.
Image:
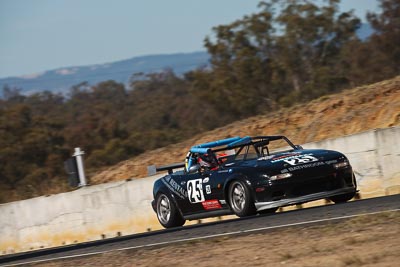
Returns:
(249, 175)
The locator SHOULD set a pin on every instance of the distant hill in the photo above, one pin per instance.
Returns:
(61, 80)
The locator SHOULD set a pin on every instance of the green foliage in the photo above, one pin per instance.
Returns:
(111, 124)
(267, 59)
(29, 147)
(379, 57)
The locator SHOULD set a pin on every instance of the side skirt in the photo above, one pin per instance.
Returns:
(208, 214)
(303, 199)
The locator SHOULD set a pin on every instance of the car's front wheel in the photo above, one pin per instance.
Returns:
(240, 199)
(342, 198)
(167, 213)
(346, 197)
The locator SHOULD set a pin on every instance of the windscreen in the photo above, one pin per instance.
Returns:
(273, 146)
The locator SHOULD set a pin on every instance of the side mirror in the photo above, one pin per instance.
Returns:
(193, 169)
(299, 147)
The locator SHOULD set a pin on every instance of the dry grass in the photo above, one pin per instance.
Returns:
(364, 241)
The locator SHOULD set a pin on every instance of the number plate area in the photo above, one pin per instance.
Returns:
(195, 191)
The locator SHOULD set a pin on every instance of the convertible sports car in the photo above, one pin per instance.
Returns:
(249, 175)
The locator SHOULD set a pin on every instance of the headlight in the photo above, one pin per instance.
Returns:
(340, 165)
(280, 176)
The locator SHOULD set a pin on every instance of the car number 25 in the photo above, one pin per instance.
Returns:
(301, 160)
(195, 191)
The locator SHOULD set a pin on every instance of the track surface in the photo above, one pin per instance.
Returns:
(313, 215)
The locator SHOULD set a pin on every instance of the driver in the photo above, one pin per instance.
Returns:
(208, 162)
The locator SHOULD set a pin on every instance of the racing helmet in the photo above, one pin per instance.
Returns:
(222, 158)
(207, 161)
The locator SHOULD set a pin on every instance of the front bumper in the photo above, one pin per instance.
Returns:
(302, 199)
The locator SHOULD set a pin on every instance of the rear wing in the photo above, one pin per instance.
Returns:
(153, 169)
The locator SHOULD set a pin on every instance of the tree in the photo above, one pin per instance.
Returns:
(386, 38)
(12, 94)
(377, 58)
(26, 143)
(270, 59)
(309, 49)
(241, 59)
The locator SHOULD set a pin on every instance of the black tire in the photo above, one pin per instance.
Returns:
(167, 213)
(240, 199)
(268, 211)
(342, 198)
(345, 197)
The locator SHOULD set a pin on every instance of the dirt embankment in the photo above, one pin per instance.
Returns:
(352, 111)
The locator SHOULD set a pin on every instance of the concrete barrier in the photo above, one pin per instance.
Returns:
(89, 213)
(375, 157)
(122, 208)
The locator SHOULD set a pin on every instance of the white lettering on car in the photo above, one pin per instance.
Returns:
(300, 160)
(310, 165)
(295, 159)
(208, 189)
(174, 187)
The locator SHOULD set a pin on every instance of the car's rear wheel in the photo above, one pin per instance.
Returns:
(240, 199)
(167, 213)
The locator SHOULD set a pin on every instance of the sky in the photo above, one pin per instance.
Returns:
(40, 35)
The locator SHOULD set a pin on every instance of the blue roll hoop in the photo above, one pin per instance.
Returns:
(206, 148)
(218, 142)
(229, 142)
(200, 150)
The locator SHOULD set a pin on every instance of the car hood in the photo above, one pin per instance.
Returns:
(296, 160)
(296, 156)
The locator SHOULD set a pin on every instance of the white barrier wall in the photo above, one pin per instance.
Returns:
(122, 208)
(375, 157)
(89, 213)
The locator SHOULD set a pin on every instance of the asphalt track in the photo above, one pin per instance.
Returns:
(239, 226)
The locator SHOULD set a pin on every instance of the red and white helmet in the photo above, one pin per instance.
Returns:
(207, 161)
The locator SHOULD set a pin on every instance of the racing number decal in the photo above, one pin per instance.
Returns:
(195, 191)
(300, 160)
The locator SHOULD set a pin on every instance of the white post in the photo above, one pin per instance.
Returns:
(79, 162)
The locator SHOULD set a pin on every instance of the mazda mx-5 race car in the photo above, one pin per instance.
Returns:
(250, 175)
